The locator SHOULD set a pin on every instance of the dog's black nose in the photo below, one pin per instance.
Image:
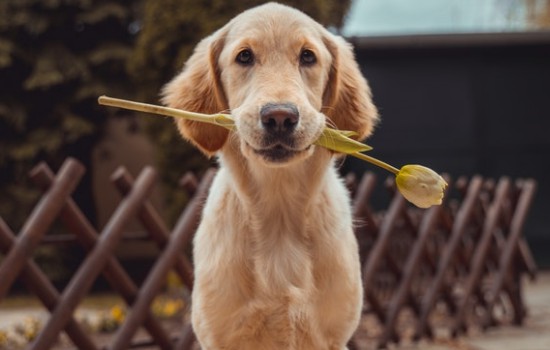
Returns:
(279, 117)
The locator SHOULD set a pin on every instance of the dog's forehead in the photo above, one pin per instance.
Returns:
(271, 13)
(279, 33)
(273, 21)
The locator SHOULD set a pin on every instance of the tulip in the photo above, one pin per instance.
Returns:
(419, 185)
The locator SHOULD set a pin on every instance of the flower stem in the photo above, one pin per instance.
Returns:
(376, 162)
(226, 122)
(166, 111)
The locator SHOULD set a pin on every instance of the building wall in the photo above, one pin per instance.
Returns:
(465, 105)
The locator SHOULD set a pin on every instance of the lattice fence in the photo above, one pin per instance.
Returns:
(425, 271)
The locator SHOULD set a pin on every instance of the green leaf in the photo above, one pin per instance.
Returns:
(339, 141)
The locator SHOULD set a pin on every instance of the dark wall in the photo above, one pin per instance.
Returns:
(469, 108)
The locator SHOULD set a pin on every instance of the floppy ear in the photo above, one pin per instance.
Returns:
(347, 100)
(198, 89)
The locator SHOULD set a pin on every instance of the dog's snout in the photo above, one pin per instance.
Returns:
(279, 117)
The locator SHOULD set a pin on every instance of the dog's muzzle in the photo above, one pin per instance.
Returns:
(279, 122)
(279, 119)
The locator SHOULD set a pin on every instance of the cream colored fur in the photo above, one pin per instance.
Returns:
(276, 260)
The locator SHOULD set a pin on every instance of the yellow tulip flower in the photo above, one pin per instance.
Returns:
(420, 185)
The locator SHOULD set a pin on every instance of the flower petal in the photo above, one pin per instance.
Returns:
(339, 141)
(420, 185)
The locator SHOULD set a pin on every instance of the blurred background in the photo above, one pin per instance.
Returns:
(463, 86)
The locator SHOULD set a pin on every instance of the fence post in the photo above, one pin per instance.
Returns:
(477, 265)
(461, 222)
(183, 231)
(46, 292)
(41, 218)
(96, 260)
(510, 250)
(155, 226)
(426, 229)
(86, 235)
(378, 252)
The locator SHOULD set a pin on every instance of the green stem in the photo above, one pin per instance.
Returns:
(217, 119)
(376, 162)
(166, 111)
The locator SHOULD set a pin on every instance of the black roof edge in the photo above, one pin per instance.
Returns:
(454, 40)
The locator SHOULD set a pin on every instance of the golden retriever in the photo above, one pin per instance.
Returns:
(276, 260)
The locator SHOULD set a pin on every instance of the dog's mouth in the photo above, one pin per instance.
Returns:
(280, 153)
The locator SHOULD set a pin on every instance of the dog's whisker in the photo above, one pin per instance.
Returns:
(331, 123)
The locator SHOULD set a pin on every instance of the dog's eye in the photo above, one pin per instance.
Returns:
(245, 57)
(307, 57)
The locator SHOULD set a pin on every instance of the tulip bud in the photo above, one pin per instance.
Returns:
(420, 185)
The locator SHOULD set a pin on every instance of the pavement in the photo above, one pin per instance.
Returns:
(533, 335)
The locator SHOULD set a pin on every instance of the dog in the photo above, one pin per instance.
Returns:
(275, 257)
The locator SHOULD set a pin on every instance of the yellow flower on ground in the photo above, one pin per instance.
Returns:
(118, 314)
(166, 307)
(28, 328)
(3, 339)
(420, 185)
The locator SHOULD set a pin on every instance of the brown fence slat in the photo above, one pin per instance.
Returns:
(509, 251)
(185, 342)
(411, 266)
(156, 227)
(365, 230)
(480, 254)
(39, 221)
(86, 235)
(461, 223)
(182, 234)
(36, 281)
(95, 261)
(378, 251)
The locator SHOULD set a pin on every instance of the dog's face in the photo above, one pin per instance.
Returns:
(282, 76)
(274, 70)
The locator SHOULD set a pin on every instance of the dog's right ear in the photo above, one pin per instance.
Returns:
(198, 89)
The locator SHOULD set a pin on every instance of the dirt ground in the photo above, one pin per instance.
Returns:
(533, 335)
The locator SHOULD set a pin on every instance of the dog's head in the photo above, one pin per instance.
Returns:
(282, 76)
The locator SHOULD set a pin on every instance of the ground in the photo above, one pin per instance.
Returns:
(533, 335)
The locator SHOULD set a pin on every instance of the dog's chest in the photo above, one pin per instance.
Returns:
(270, 274)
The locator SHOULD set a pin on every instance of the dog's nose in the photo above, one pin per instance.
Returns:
(279, 117)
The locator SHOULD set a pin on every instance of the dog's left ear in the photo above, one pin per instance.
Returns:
(347, 100)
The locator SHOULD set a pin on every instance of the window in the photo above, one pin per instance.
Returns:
(399, 17)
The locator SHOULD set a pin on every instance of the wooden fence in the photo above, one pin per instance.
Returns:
(465, 257)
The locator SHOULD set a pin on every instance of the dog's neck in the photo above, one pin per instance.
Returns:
(271, 190)
(280, 203)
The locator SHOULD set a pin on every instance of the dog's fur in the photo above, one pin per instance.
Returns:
(276, 260)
